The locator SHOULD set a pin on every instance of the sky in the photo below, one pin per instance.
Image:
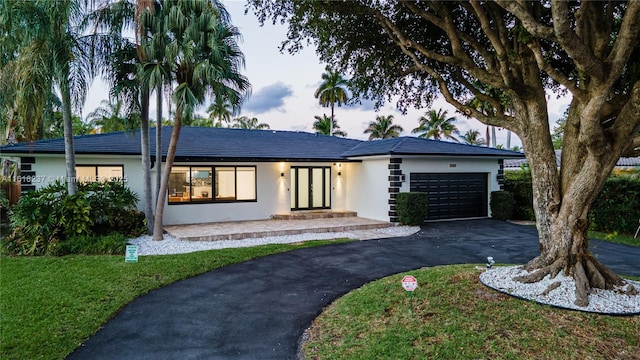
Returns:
(283, 86)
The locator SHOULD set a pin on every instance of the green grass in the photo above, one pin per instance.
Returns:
(615, 237)
(50, 305)
(456, 317)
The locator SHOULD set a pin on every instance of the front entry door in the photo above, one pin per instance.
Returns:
(310, 188)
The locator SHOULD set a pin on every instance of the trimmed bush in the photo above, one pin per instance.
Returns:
(617, 207)
(411, 208)
(518, 183)
(501, 205)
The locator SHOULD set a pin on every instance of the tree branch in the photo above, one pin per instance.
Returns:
(558, 76)
(625, 41)
(572, 44)
(453, 32)
(530, 23)
(501, 52)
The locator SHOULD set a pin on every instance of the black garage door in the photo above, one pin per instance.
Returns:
(452, 196)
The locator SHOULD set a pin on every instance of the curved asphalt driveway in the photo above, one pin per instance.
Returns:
(259, 309)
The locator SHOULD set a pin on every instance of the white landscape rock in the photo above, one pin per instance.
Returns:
(171, 245)
(600, 301)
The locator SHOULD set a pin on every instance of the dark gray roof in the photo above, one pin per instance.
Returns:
(418, 146)
(622, 162)
(224, 144)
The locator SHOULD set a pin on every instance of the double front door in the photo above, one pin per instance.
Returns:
(310, 188)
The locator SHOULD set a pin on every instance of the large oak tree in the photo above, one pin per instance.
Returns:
(409, 50)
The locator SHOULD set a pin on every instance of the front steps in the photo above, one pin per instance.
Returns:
(314, 214)
(265, 228)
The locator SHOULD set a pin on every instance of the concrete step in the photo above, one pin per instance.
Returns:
(265, 228)
(319, 214)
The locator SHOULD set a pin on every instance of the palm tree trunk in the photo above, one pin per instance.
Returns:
(164, 183)
(158, 139)
(331, 123)
(146, 158)
(493, 136)
(69, 151)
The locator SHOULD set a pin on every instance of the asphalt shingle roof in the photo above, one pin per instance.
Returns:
(224, 144)
(418, 146)
(623, 161)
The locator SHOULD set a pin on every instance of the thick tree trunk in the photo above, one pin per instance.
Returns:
(146, 159)
(164, 183)
(562, 201)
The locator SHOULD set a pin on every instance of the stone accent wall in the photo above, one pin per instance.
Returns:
(27, 174)
(395, 182)
(500, 176)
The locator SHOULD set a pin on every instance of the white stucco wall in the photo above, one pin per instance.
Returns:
(49, 168)
(273, 196)
(367, 188)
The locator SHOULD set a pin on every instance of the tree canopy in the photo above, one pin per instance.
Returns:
(489, 50)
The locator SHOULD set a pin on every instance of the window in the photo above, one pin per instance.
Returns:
(93, 173)
(198, 184)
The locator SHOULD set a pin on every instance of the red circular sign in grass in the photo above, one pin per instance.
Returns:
(409, 283)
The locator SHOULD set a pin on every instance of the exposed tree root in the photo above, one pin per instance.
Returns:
(587, 272)
(550, 288)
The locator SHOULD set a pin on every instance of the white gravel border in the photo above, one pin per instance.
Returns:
(171, 245)
(600, 301)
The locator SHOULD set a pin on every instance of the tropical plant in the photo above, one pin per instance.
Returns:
(110, 116)
(221, 110)
(205, 60)
(326, 126)
(51, 52)
(45, 218)
(383, 128)
(472, 137)
(245, 122)
(332, 91)
(586, 49)
(436, 125)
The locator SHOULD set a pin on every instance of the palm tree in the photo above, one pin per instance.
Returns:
(332, 90)
(244, 122)
(383, 128)
(111, 116)
(220, 109)
(436, 125)
(49, 41)
(120, 61)
(472, 137)
(205, 60)
(326, 126)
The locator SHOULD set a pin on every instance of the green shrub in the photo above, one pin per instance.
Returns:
(617, 207)
(44, 219)
(411, 208)
(111, 244)
(614, 210)
(501, 205)
(519, 184)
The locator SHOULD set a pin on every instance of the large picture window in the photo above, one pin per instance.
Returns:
(198, 184)
(93, 173)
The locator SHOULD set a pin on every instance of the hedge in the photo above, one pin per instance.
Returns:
(616, 209)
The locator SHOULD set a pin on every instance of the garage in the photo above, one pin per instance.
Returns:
(453, 195)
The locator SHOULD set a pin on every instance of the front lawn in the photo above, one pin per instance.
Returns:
(50, 305)
(456, 317)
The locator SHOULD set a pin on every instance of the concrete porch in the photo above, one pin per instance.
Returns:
(279, 225)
